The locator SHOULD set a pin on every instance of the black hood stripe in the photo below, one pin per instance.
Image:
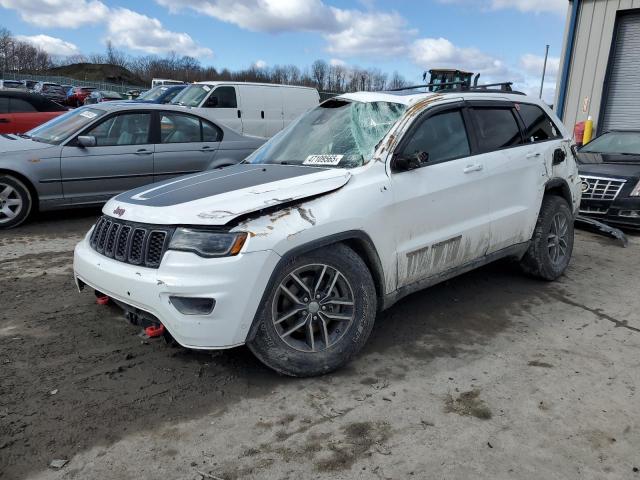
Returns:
(210, 183)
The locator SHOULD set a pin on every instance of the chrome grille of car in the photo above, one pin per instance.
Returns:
(134, 243)
(599, 188)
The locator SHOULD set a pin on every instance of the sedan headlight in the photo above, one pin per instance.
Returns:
(636, 190)
(207, 243)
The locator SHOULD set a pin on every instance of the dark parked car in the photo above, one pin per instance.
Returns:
(610, 170)
(160, 94)
(22, 111)
(99, 96)
(77, 96)
(52, 91)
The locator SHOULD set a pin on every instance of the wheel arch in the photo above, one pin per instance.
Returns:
(357, 240)
(27, 183)
(560, 187)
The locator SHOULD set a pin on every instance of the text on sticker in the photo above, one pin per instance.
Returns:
(322, 160)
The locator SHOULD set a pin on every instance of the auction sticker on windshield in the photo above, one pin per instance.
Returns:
(89, 115)
(323, 160)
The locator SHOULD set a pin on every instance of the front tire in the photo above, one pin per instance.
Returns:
(15, 202)
(551, 246)
(318, 313)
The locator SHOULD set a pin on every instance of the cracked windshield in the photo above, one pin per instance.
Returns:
(338, 133)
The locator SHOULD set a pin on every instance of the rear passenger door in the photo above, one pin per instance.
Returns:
(514, 173)
(441, 216)
(186, 144)
(273, 110)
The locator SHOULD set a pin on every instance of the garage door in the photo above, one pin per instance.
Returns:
(622, 107)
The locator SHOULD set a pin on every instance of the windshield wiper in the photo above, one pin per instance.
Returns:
(23, 135)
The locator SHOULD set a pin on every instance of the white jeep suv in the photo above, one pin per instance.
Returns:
(361, 201)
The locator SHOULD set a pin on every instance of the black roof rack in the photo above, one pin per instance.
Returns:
(462, 87)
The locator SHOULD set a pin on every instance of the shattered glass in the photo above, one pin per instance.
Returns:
(337, 133)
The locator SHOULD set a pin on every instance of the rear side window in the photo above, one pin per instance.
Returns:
(538, 126)
(4, 105)
(210, 133)
(18, 105)
(439, 138)
(223, 97)
(497, 128)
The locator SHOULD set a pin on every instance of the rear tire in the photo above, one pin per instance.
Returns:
(551, 245)
(318, 313)
(16, 202)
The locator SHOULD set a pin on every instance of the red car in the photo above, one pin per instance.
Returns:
(22, 111)
(76, 99)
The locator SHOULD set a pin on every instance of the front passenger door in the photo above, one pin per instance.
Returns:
(441, 208)
(122, 159)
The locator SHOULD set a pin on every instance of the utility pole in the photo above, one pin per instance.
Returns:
(544, 69)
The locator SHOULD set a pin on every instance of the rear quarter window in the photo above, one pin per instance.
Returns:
(538, 127)
(18, 105)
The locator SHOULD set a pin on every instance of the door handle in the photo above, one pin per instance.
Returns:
(262, 113)
(143, 151)
(5, 120)
(239, 114)
(205, 148)
(473, 168)
(532, 155)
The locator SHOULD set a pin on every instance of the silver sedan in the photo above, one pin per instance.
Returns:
(88, 155)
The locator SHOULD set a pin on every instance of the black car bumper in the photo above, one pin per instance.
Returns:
(623, 212)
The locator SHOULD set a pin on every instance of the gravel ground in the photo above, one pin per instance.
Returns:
(491, 375)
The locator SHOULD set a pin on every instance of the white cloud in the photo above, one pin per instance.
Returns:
(372, 34)
(533, 64)
(336, 62)
(526, 6)
(132, 30)
(125, 28)
(51, 45)
(272, 16)
(58, 13)
(430, 53)
(260, 64)
(348, 32)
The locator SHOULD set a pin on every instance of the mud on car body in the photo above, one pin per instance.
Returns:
(363, 200)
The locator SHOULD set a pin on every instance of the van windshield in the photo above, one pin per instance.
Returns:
(192, 96)
(339, 133)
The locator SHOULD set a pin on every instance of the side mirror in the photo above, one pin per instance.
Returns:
(212, 102)
(85, 141)
(403, 162)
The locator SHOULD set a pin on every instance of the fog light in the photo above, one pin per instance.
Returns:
(193, 305)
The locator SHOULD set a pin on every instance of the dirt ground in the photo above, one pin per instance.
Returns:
(491, 375)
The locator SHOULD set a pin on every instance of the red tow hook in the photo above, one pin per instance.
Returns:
(102, 300)
(154, 331)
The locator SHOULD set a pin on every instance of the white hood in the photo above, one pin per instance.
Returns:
(216, 197)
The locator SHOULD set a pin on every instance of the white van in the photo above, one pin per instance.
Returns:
(259, 109)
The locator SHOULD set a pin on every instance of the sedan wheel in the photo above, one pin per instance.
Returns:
(15, 202)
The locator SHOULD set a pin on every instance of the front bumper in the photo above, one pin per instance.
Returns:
(623, 211)
(236, 283)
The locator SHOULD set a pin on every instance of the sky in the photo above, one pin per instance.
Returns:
(504, 40)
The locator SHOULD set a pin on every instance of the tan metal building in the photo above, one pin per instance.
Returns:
(600, 65)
